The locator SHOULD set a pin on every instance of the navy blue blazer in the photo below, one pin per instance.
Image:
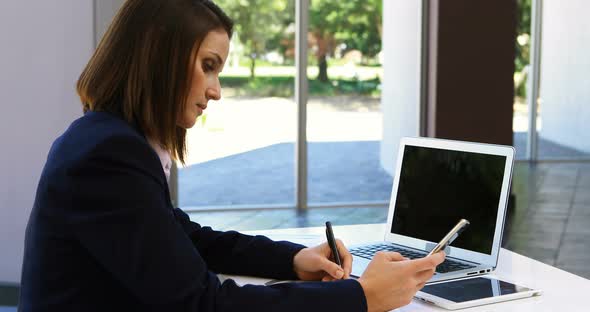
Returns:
(103, 236)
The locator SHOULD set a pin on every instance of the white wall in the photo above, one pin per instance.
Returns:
(44, 45)
(105, 10)
(565, 73)
(400, 94)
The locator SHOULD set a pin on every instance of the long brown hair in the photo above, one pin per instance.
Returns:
(142, 67)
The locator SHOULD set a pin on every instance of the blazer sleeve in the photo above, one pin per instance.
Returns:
(118, 214)
(231, 252)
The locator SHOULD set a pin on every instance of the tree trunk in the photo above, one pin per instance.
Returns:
(322, 68)
(252, 66)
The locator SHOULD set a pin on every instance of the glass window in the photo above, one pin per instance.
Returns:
(241, 149)
(344, 119)
(522, 69)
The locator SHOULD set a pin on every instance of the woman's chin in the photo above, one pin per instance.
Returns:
(188, 123)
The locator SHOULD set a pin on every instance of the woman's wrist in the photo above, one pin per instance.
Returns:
(368, 293)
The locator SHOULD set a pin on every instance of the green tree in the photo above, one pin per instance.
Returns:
(523, 28)
(364, 27)
(261, 25)
(523, 46)
(357, 24)
(256, 23)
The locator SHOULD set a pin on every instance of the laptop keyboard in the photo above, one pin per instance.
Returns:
(449, 265)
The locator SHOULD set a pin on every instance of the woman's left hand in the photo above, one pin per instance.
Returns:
(315, 264)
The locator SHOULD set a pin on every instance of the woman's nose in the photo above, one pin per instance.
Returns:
(214, 91)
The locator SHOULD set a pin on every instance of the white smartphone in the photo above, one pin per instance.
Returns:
(472, 291)
(450, 237)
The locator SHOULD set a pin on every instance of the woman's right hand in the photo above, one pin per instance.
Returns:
(391, 281)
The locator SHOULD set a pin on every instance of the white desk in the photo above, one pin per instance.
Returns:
(562, 291)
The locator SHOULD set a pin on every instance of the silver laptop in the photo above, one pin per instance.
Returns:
(437, 183)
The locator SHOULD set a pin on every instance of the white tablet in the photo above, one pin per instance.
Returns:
(474, 291)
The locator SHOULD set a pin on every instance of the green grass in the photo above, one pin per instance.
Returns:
(283, 86)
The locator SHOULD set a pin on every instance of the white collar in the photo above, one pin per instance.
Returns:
(164, 156)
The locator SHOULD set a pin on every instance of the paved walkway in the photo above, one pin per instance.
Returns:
(338, 172)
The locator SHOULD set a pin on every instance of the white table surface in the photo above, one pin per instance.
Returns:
(562, 291)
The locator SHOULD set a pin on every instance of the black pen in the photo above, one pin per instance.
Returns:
(332, 243)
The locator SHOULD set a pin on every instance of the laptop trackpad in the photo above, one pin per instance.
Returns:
(359, 265)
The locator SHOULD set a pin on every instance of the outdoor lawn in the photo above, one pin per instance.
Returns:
(279, 81)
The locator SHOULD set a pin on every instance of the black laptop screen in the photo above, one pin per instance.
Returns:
(439, 187)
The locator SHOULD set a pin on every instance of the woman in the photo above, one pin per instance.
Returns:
(103, 235)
